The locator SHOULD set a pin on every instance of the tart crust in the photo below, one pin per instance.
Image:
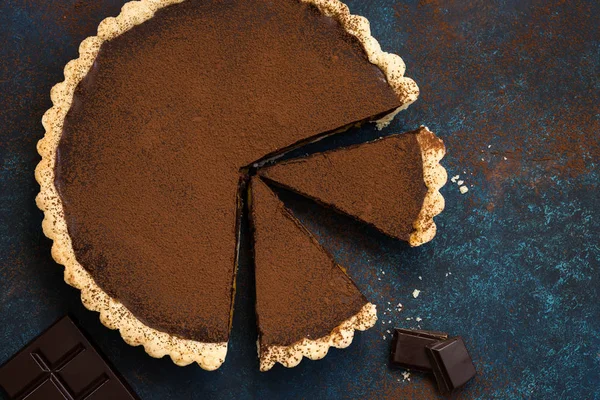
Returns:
(115, 315)
(340, 337)
(435, 176)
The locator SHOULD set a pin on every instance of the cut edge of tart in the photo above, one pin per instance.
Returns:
(113, 314)
(340, 337)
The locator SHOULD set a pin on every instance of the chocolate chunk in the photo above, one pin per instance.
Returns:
(408, 348)
(61, 364)
(451, 364)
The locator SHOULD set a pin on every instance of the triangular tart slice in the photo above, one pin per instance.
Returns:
(305, 302)
(391, 183)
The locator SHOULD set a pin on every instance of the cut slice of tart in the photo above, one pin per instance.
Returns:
(305, 302)
(155, 125)
(391, 183)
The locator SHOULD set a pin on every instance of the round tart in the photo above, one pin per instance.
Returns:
(154, 129)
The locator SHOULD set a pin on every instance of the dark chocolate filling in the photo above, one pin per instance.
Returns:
(152, 148)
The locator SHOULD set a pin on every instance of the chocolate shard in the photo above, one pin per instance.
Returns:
(451, 364)
(61, 364)
(408, 348)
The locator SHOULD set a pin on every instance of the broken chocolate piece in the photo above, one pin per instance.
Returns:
(451, 364)
(408, 348)
(61, 364)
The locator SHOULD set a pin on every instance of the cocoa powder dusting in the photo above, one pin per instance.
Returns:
(149, 162)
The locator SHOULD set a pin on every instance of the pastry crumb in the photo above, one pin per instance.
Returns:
(416, 293)
(418, 319)
(463, 189)
(420, 278)
(459, 183)
(406, 376)
(455, 178)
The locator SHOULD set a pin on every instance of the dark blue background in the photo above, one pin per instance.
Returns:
(512, 86)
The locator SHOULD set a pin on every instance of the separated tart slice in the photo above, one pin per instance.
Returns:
(391, 183)
(305, 302)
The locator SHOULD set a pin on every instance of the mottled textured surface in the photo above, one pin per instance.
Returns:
(154, 128)
(520, 248)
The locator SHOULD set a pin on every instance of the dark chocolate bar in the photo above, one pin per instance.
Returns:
(61, 364)
(451, 364)
(408, 348)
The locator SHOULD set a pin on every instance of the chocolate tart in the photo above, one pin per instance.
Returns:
(305, 302)
(391, 183)
(157, 123)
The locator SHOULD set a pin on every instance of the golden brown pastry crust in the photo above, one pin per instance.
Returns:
(435, 176)
(340, 337)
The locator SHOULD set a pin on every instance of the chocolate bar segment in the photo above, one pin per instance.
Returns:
(408, 348)
(61, 364)
(451, 364)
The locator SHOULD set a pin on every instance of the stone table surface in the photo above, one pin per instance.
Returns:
(512, 86)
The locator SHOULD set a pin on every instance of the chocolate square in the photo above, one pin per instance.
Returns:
(408, 348)
(61, 364)
(451, 364)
